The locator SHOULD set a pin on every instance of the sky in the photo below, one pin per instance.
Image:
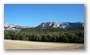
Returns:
(35, 14)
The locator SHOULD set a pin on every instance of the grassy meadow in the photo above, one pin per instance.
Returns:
(17, 44)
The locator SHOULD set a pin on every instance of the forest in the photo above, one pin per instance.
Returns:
(67, 35)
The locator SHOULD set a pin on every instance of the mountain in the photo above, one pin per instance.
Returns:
(14, 26)
(46, 24)
(62, 24)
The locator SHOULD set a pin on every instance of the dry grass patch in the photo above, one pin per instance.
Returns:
(16, 44)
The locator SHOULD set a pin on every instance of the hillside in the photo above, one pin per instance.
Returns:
(47, 32)
(70, 35)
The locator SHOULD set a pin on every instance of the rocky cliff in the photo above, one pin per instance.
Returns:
(61, 24)
(46, 24)
(14, 26)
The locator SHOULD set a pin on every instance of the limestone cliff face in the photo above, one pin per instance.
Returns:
(61, 24)
(14, 27)
(46, 24)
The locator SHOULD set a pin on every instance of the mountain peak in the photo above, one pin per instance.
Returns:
(61, 24)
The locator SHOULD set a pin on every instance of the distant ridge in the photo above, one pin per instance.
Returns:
(8, 26)
(62, 24)
(46, 24)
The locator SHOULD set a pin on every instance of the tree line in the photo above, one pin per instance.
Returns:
(69, 35)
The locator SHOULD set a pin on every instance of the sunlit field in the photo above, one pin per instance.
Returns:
(16, 44)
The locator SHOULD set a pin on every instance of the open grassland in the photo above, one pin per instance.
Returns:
(16, 44)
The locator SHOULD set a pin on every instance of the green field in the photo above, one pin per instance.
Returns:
(17, 44)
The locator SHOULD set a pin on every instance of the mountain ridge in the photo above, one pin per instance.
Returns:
(62, 24)
(46, 24)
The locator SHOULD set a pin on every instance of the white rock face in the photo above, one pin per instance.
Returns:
(61, 24)
(46, 24)
(14, 27)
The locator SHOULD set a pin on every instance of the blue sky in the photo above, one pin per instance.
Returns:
(34, 14)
